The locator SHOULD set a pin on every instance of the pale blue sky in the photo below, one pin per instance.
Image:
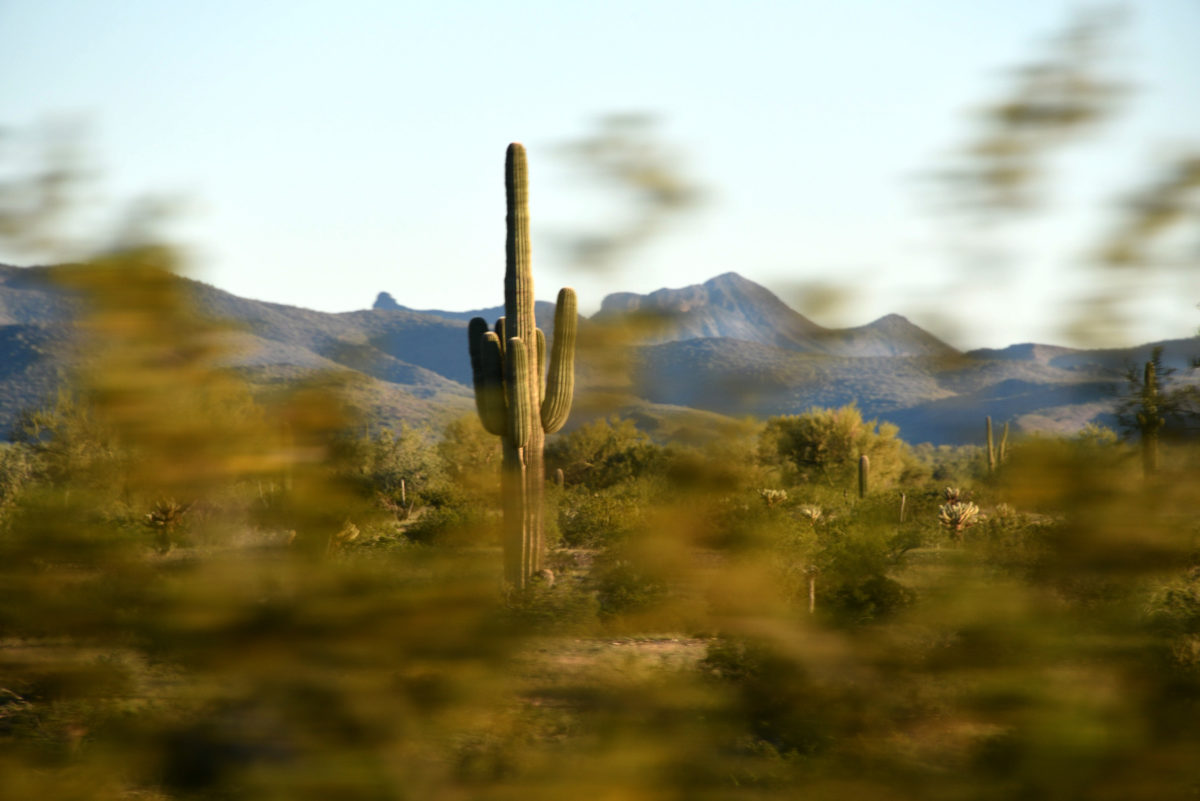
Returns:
(333, 150)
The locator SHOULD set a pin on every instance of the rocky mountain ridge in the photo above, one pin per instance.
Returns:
(727, 346)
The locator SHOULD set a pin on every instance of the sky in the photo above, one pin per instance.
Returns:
(322, 152)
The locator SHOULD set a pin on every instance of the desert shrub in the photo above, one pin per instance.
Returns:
(852, 554)
(873, 597)
(593, 518)
(952, 464)
(16, 473)
(604, 453)
(775, 699)
(824, 445)
(399, 466)
(453, 524)
(470, 457)
(624, 586)
(561, 608)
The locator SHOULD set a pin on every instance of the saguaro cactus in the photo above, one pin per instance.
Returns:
(1149, 421)
(864, 469)
(513, 401)
(995, 456)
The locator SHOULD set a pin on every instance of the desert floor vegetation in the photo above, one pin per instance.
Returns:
(212, 593)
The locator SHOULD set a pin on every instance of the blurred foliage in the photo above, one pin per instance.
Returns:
(1151, 213)
(43, 174)
(211, 593)
(626, 155)
(1051, 101)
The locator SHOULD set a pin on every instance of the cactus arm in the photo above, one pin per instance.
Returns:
(541, 363)
(475, 331)
(489, 387)
(560, 382)
(516, 381)
(500, 333)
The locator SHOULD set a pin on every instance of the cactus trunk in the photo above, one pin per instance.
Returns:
(507, 366)
(1149, 421)
(864, 467)
(991, 448)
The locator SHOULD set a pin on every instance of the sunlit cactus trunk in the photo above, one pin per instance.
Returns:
(508, 365)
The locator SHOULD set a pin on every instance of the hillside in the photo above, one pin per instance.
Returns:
(268, 343)
(700, 354)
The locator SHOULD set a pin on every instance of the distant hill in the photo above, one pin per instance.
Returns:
(1177, 353)
(699, 356)
(267, 344)
(732, 307)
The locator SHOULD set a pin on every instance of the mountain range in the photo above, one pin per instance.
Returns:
(675, 360)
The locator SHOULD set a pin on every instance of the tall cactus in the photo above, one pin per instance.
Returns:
(513, 401)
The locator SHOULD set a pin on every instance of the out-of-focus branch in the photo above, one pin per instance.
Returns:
(1052, 101)
(1165, 205)
(43, 178)
(626, 155)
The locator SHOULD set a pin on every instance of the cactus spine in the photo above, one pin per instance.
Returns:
(513, 402)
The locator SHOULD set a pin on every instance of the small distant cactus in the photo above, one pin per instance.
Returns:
(956, 517)
(347, 534)
(864, 469)
(1005, 511)
(952, 494)
(163, 519)
(1149, 421)
(996, 456)
(772, 497)
(811, 512)
(991, 447)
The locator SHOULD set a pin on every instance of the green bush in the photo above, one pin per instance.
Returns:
(595, 518)
(604, 453)
(453, 525)
(824, 445)
(774, 697)
(624, 587)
